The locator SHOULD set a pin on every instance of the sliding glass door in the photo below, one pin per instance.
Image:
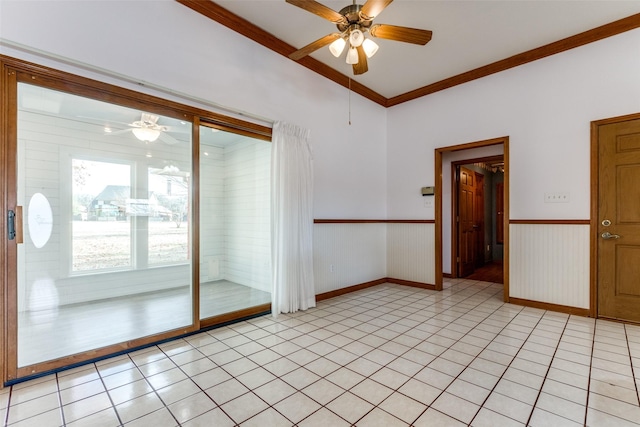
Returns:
(106, 197)
(130, 220)
(235, 239)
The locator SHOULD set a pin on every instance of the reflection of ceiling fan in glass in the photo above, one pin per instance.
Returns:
(147, 129)
(353, 22)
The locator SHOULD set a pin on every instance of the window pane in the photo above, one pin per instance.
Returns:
(168, 222)
(101, 230)
(235, 236)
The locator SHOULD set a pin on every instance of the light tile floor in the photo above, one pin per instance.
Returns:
(388, 356)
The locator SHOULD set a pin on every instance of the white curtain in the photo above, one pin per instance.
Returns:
(291, 220)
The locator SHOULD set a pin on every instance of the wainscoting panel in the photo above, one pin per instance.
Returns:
(411, 252)
(347, 254)
(550, 263)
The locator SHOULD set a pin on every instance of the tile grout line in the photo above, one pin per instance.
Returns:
(64, 422)
(443, 327)
(6, 415)
(508, 366)
(468, 365)
(192, 381)
(354, 340)
(435, 333)
(546, 374)
(593, 345)
(464, 316)
(633, 374)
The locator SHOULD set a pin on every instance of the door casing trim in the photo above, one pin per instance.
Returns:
(438, 152)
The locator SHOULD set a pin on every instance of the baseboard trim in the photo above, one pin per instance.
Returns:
(447, 275)
(234, 316)
(420, 285)
(349, 289)
(585, 312)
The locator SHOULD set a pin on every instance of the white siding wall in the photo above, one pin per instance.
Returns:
(247, 214)
(550, 263)
(212, 249)
(411, 252)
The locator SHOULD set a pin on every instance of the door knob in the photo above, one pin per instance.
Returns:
(606, 235)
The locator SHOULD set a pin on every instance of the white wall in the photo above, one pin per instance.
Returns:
(348, 254)
(167, 44)
(545, 107)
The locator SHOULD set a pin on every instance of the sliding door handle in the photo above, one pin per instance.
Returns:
(14, 224)
(11, 224)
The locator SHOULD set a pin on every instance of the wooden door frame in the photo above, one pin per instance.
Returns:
(595, 183)
(438, 153)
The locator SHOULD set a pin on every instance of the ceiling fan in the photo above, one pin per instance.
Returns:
(353, 22)
(147, 129)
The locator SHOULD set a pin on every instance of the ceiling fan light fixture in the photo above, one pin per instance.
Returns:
(370, 47)
(352, 56)
(356, 37)
(146, 134)
(337, 47)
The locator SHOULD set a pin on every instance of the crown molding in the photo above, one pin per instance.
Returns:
(240, 25)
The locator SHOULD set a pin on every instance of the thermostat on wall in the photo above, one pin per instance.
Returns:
(428, 191)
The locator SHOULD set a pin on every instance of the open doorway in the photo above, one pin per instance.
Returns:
(477, 237)
(445, 237)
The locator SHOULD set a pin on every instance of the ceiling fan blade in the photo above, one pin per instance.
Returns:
(400, 34)
(372, 8)
(312, 47)
(165, 137)
(118, 132)
(320, 10)
(361, 67)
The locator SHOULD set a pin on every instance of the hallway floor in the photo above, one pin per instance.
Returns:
(388, 356)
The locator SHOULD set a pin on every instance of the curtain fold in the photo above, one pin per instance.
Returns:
(291, 220)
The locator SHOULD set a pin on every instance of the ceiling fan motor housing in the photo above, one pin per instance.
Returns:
(352, 14)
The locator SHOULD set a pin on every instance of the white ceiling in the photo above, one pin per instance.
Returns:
(466, 34)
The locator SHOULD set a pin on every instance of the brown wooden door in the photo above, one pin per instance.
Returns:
(619, 204)
(479, 219)
(500, 213)
(466, 222)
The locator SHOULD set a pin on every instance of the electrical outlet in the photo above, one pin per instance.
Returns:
(331, 268)
(558, 197)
